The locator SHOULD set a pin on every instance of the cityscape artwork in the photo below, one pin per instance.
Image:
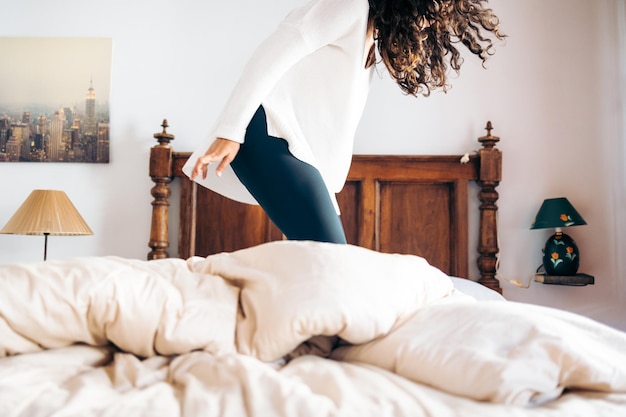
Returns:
(54, 99)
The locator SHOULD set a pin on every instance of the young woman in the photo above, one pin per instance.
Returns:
(284, 139)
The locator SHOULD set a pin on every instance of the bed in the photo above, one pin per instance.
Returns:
(240, 322)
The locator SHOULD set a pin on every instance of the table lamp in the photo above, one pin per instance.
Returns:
(560, 254)
(47, 212)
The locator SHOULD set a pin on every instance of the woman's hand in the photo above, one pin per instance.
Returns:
(222, 150)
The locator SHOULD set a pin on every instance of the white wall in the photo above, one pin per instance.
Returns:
(550, 91)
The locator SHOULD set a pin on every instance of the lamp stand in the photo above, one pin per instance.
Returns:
(45, 246)
(560, 255)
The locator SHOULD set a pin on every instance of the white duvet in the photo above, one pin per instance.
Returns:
(290, 329)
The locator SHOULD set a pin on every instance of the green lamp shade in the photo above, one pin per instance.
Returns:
(557, 212)
(560, 254)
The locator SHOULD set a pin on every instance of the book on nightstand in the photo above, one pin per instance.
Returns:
(576, 279)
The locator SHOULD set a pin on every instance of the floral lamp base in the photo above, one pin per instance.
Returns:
(560, 255)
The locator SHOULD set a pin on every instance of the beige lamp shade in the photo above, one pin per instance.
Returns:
(47, 212)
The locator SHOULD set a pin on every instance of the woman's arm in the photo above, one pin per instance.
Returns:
(303, 31)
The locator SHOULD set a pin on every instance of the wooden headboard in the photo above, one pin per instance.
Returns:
(391, 203)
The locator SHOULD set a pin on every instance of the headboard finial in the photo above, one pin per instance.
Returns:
(489, 141)
(163, 137)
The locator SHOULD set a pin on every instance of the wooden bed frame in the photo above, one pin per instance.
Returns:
(391, 203)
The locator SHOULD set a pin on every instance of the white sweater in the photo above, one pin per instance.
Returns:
(310, 77)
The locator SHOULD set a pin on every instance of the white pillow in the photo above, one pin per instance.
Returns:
(476, 290)
(293, 290)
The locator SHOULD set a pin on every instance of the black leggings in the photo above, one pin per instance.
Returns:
(291, 192)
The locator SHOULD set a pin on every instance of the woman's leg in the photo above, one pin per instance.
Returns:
(291, 192)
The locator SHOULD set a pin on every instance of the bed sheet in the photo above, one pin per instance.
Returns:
(88, 381)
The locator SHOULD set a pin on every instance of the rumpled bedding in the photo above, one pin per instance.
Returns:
(290, 329)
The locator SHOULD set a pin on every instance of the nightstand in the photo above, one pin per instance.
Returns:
(572, 280)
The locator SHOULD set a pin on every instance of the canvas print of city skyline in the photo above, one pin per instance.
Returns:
(54, 99)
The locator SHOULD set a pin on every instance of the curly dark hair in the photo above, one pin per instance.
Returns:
(416, 38)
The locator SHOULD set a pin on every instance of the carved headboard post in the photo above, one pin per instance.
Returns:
(489, 178)
(161, 174)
